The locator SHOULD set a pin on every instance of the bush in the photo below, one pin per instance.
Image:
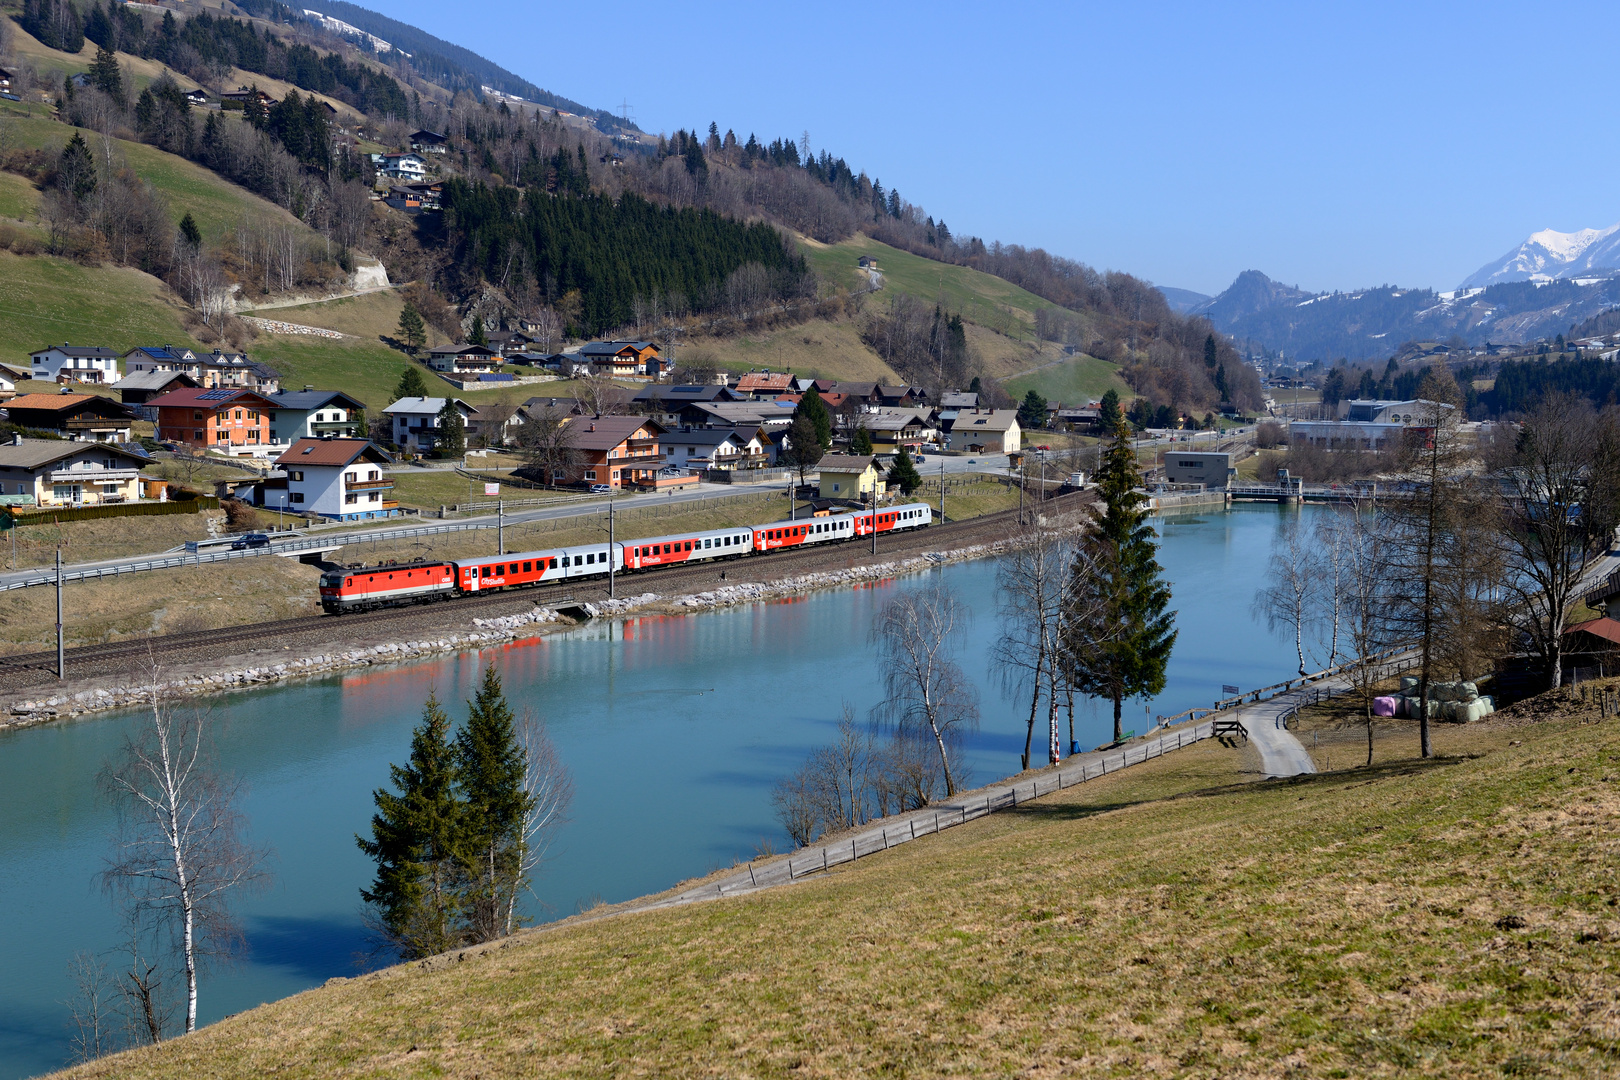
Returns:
(239, 516)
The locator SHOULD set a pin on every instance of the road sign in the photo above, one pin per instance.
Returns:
(1230, 691)
(492, 489)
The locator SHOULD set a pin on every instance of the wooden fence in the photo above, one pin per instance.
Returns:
(17, 516)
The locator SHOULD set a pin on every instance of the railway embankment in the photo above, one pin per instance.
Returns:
(137, 684)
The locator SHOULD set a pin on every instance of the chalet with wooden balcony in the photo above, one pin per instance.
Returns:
(619, 451)
(463, 357)
(85, 417)
(338, 479)
(717, 448)
(622, 359)
(226, 419)
(50, 472)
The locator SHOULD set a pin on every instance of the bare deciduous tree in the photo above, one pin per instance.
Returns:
(180, 853)
(1032, 579)
(596, 394)
(546, 441)
(1362, 600)
(1291, 598)
(551, 791)
(925, 688)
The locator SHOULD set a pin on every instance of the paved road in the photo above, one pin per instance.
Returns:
(1280, 753)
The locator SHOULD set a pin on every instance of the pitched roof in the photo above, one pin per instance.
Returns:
(703, 436)
(461, 348)
(851, 463)
(218, 397)
(682, 394)
(309, 400)
(422, 406)
(994, 420)
(32, 453)
(743, 412)
(762, 381)
(958, 400)
(54, 402)
(331, 452)
(606, 432)
(610, 348)
(154, 380)
(79, 350)
(1605, 628)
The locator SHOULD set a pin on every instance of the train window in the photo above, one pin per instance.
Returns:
(590, 557)
(689, 545)
(527, 567)
(705, 543)
(565, 560)
(349, 581)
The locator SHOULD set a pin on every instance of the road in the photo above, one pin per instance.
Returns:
(335, 535)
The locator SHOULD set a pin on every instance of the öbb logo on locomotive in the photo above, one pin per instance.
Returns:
(365, 588)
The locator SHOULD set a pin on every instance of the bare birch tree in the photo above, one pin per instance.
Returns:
(925, 687)
(1290, 600)
(1031, 579)
(179, 854)
(1362, 599)
(551, 790)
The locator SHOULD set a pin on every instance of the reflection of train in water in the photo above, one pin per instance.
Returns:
(365, 588)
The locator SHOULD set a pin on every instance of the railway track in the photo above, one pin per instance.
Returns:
(22, 670)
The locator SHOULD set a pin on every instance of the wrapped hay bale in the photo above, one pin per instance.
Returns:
(1444, 691)
(1467, 691)
(1385, 706)
(1409, 685)
(1471, 712)
(1487, 701)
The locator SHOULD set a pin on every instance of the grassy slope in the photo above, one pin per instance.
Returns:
(59, 63)
(45, 299)
(1080, 379)
(982, 298)
(1171, 919)
(821, 348)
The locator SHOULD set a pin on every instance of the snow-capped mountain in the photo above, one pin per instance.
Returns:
(1550, 254)
(351, 33)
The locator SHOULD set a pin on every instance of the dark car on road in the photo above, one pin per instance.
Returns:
(250, 540)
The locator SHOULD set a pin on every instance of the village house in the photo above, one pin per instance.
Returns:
(197, 99)
(85, 417)
(717, 448)
(618, 451)
(10, 377)
(987, 431)
(768, 414)
(227, 419)
(408, 167)
(662, 401)
(338, 479)
(414, 421)
(313, 414)
(462, 357)
(891, 429)
(50, 472)
(80, 363)
(764, 386)
(495, 424)
(428, 142)
(148, 358)
(242, 95)
(623, 359)
(845, 476)
(137, 389)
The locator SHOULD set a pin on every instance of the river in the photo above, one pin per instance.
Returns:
(675, 729)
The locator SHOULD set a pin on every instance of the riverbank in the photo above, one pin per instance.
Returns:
(1176, 917)
(137, 685)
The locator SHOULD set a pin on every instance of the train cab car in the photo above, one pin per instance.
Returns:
(895, 518)
(656, 551)
(787, 534)
(592, 561)
(365, 588)
(508, 571)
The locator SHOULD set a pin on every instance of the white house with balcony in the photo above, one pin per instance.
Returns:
(338, 479)
(83, 363)
(314, 414)
(53, 472)
(414, 421)
(408, 167)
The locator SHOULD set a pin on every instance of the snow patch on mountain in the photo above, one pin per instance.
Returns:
(1549, 255)
(352, 33)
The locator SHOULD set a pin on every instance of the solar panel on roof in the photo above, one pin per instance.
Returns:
(216, 395)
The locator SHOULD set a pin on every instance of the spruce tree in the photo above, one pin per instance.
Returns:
(411, 383)
(477, 337)
(904, 473)
(1032, 411)
(1220, 383)
(490, 766)
(804, 445)
(411, 333)
(452, 429)
(104, 74)
(415, 900)
(1211, 352)
(860, 444)
(1117, 643)
(1109, 416)
(812, 407)
(189, 230)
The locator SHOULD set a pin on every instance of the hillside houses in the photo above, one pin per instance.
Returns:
(77, 363)
(83, 417)
(50, 472)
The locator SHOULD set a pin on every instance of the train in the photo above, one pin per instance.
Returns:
(350, 589)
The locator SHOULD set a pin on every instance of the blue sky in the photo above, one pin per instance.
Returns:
(1331, 146)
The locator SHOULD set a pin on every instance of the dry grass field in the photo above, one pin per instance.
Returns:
(1452, 918)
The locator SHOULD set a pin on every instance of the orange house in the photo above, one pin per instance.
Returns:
(226, 418)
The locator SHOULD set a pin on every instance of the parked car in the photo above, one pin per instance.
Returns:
(601, 489)
(919, 459)
(250, 540)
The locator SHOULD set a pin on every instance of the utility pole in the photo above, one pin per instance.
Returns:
(942, 490)
(61, 673)
(613, 547)
(874, 518)
(500, 526)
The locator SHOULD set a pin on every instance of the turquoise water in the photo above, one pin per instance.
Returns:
(675, 729)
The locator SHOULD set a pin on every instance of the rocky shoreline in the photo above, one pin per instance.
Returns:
(483, 633)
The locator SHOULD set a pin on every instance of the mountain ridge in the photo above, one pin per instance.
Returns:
(1549, 255)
